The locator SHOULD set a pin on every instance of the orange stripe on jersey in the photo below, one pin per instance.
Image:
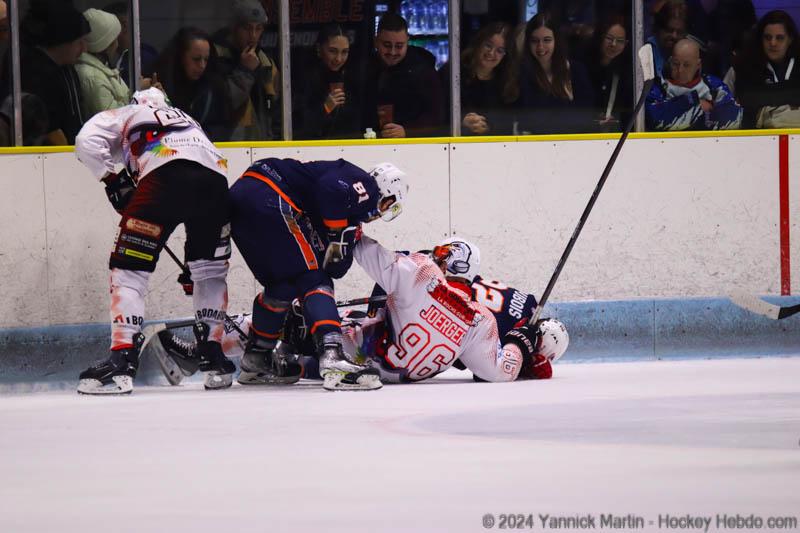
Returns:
(305, 248)
(277, 189)
(265, 335)
(335, 224)
(269, 307)
(318, 291)
(319, 323)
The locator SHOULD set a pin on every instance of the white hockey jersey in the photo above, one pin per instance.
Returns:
(143, 138)
(432, 323)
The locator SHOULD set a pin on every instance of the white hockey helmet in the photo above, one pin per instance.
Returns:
(391, 182)
(152, 97)
(463, 258)
(553, 339)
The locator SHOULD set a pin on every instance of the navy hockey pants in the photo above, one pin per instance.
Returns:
(285, 252)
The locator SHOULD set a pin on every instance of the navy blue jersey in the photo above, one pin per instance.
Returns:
(507, 304)
(335, 194)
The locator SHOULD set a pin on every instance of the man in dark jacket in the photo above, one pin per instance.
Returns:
(403, 97)
(53, 37)
(252, 77)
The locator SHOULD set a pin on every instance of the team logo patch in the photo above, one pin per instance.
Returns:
(223, 164)
(144, 228)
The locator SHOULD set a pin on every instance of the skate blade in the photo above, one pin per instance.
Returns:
(121, 385)
(346, 381)
(262, 378)
(218, 381)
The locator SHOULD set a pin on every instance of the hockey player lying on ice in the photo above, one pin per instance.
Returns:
(439, 324)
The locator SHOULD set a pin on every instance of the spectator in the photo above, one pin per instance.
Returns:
(555, 93)
(53, 37)
(688, 99)
(252, 77)
(101, 85)
(669, 26)
(403, 96)
(34, 121)
(611, 74)
(488, 89)
(188, 70)
(730, 21)
(768, 85)
(147, 55)
(328, 99)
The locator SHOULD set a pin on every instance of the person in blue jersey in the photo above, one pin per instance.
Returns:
(687, 99)
(371, 332)
(296, 225)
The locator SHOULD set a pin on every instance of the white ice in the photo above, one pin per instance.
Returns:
(701, 437)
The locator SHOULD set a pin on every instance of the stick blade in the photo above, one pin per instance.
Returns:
(647, 62)
(169, 367)
(754, 304)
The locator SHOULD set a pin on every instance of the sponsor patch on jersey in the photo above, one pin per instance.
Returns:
(453, 302)
(138, 255)
(143, 227)
(222, 163)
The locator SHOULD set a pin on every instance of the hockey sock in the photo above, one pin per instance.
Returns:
(320, 312)
(128, 288)
(268, 317)
(210, 297)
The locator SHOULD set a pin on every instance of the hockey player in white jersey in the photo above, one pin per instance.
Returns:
(511, 307)
(459, 260)
(173, 174)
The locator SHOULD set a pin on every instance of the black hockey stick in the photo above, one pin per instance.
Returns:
(360, 301)
(646, 61)
(757, 305)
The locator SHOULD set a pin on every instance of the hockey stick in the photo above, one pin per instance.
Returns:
(646, 61)
(186, 271)
(756, 305)
(360, 301)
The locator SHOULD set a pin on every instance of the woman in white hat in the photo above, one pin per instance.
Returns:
(101, 84)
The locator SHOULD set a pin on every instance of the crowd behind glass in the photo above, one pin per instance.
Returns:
(566, 68)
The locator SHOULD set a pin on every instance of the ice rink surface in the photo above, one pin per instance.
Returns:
(652, 439)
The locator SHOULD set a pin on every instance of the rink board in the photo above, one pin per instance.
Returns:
(677, 218)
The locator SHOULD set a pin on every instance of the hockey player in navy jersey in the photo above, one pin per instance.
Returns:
(296, 225)
(511, 307)
(173, 174)
(460, 262)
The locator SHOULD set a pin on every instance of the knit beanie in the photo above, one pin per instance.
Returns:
(105, 28)
(51, 23)
(244, 11)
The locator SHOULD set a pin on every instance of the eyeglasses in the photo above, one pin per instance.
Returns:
(488, 47)
(615, 41)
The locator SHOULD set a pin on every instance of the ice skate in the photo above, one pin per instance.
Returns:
(218, 368)
(211, 359)
(263, 364)
(115, 375)
(182, 352)
(340, 374)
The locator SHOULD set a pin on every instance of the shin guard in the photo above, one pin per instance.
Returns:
(128, 289)
(210, 297)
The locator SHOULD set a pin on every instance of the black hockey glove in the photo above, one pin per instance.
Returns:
(526, 338)
(339, 253)
(185, 280)
(119, 189)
